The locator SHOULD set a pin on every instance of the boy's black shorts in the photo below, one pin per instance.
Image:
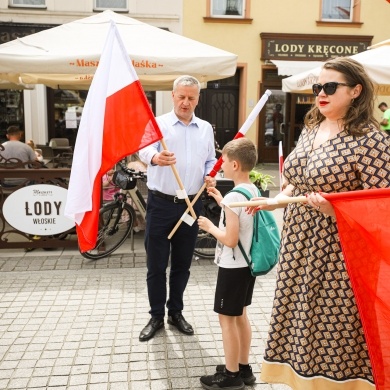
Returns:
(234, 290)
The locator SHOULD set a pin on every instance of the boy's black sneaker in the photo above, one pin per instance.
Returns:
(221, 381)
(246, 374)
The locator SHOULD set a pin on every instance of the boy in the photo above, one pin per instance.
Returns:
(235, 282)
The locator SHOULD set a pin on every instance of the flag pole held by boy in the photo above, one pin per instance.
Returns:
(241, 133)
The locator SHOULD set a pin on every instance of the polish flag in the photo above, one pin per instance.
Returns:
(117, 121)
(363, 221)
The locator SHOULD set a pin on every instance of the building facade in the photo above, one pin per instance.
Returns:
(273, 41)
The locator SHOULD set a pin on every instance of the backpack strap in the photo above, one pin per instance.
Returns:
(247, 195)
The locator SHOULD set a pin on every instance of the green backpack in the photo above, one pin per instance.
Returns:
(264, 250)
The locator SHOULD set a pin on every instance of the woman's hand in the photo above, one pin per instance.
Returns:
(318, 202)
(268, 207)
(252, 210)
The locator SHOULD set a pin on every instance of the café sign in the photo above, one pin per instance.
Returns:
(311, 46)
(38, 209)
(10, 31)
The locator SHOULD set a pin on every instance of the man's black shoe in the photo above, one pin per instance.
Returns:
(246, 374)
(150, 329)
(181, 324)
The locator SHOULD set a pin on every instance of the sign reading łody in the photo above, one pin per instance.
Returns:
(38, 209)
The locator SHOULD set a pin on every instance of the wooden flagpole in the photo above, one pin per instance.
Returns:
(192, 203)
(270, 201)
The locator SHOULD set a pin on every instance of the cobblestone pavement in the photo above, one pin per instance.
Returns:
(71, 323)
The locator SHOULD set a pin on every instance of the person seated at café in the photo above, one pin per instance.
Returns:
(14, 151)
(14, 148)
(38, 155)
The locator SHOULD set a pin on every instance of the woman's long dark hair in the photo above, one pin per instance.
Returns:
(360, 115)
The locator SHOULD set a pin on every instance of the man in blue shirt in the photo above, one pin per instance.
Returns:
(190, 141)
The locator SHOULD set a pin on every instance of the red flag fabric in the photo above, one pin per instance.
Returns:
(117, 121)
(363, 220)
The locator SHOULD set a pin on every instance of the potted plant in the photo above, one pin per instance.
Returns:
(261, 181)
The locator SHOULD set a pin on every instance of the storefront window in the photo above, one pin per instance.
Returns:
(11, 111)
(68, 108)
(275, 118)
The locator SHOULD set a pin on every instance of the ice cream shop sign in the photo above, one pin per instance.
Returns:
(311, 47)
(38, 209)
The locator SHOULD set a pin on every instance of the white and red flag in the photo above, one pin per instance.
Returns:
(281, 162)
(116, 122)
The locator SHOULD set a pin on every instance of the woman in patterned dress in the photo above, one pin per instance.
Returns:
(316, 340)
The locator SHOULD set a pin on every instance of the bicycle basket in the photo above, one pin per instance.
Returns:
(124, 181)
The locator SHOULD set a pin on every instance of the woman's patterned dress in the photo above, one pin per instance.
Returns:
(316, 340)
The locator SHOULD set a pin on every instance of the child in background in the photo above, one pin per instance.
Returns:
(138, 166)
(109, 187)
(37, 154)
(235, 282)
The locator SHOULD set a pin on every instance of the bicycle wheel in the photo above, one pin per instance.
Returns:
(205, 245)
(115, 223)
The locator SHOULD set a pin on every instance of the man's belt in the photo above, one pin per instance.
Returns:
(171, 198)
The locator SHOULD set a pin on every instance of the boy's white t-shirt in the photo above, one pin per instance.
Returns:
(226, 257)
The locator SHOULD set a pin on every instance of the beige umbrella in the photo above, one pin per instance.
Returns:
(66, 56)
(375, 60)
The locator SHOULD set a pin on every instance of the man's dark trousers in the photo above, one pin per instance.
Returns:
(161, 217)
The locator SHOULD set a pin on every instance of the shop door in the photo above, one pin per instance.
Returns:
(218, 104)
(273, 126)
(300, 105)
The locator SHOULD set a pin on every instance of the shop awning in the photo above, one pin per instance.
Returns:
(290, 68)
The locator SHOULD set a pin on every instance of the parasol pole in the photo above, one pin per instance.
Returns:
(241, 133)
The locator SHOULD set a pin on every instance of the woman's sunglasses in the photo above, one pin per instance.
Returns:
(329, 88)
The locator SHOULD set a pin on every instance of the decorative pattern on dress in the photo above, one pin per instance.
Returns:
(315, 325)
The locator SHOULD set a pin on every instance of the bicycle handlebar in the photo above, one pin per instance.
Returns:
(133, 173)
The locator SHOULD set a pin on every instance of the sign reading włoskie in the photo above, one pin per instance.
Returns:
(38, 209)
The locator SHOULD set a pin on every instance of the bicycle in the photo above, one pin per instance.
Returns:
(116, 219)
